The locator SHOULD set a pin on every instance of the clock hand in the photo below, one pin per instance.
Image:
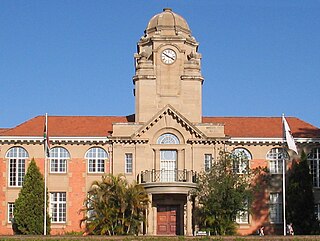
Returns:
(168, 56)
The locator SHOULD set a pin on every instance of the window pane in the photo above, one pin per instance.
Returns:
(10, 211)
(58, 160)
(241, 158)
(168, 138)
(128, 162)
(207, 162)
(17, 158)
(96, 158)
(58, 207)
(314, 161)
(275, 157)
(275, 208)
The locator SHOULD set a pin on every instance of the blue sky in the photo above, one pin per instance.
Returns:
(75, 57)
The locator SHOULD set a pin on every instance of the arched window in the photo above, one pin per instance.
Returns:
(17, 164)
(168, 138)
(314, 161)
(275, 157)
(96, 158)
(241, 158)
(58, 159)
(168, 158)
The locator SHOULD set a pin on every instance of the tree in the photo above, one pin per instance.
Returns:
(29, 207)
(222, 194)
(114, 207)
(300, 199)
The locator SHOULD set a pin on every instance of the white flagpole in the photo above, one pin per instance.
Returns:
(45, 177)
(283, 180)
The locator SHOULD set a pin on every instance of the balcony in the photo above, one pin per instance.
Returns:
(168, 181)
(168, 176)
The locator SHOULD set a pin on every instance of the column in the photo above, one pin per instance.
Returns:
(150, 216)
(154, 220)
(189, 216)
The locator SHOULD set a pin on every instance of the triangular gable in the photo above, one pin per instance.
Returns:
(169, 110)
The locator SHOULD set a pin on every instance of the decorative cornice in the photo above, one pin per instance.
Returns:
(127, 140)
(269, 141)
(169, 110)
(54, 140)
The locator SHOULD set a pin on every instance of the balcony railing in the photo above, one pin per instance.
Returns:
(168, 176)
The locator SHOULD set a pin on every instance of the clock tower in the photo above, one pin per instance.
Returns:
(167, 69)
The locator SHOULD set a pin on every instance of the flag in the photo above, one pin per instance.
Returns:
(46, 137)
(288, 136)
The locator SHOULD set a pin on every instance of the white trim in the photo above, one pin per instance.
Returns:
(252, 140)
(53, 139)
(92, 139)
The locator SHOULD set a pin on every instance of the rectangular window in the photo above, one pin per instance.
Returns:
(243, 216)
(10, 211)
(58, 165)
(128, 162)
(240, 166)
(16, 172)
(96, 165)
(275, 208)
(315, 172)
(58, 207)
(207, 162)
(275, 166)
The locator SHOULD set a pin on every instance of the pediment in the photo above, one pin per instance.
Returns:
(168, 114)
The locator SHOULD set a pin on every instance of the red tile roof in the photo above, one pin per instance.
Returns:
(264, 126)
(3, 129)
(68, 126)
(101, 126)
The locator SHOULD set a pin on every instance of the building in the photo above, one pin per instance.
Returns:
(162, 145)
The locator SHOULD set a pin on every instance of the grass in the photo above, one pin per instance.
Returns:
(157, 238)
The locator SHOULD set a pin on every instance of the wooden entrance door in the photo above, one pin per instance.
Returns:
(167, 220)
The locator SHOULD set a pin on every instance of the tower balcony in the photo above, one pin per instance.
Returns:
(168, 181)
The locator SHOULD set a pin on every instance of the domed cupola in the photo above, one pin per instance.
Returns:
(168, 69)
(167, 23)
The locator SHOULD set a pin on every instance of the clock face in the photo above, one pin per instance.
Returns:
(168, 56)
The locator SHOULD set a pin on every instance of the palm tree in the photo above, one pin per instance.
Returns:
(137, 200)
(114, 207)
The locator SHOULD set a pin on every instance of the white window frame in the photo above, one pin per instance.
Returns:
(128, 163)
(10, 211)
(275, 158)
(168, 138)
(58, 157)
(243, 216)
(17, 166)
(275, 208)
(242, 162)
(96, 160)
(58, 207)
(314, 164)
(207, 162)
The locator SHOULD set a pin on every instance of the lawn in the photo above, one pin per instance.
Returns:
(150, 238)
